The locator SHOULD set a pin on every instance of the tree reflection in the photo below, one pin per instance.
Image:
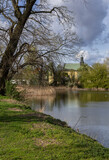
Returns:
(63, 98)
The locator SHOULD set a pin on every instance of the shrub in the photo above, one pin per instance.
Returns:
(11, 91)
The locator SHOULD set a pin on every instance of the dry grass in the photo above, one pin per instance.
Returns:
(9, 101)
(45, 142)
(12, 101)
(36, 91)
(59, 88)
(42, 126)
(15, 109)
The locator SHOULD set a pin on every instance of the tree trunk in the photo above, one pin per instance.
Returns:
(8, 57)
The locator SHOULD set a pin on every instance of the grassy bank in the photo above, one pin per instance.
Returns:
(28, 135)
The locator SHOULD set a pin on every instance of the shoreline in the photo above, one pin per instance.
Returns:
(43, 136)
(80, 89)
(30, 91)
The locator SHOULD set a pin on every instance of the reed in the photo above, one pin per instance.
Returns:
(37, 91)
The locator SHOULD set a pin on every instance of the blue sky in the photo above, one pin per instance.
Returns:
(92, 27)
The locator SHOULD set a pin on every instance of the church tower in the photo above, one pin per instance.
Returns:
(81, 61)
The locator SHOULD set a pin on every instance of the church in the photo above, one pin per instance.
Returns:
(72, 68)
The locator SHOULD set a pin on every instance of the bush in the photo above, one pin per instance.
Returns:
(70, 84)
(11, 91)
(95, 76)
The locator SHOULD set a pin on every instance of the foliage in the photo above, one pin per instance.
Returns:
(58, 74)
(33, 75)
(95, 76)
(11, 91)
(28, 32)
(27, 135)
(66, 78)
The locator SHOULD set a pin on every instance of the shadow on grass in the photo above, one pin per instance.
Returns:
(32, 117)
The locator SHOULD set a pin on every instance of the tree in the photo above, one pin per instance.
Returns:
(95, 76)
(57, 72)
(84, 76)
(31, 75)
(27, 25)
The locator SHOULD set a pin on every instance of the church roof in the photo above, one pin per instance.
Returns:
(72, 66)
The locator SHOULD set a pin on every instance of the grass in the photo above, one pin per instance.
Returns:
(26, 135)
(36, 91)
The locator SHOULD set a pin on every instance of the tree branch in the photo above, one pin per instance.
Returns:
(7, 17)
(20, 50)
(16, 10)
(53, 9)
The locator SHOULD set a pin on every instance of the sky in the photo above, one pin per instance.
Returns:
(92, 27)
(91, 18)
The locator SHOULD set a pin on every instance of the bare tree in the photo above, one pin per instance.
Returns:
(26, 30)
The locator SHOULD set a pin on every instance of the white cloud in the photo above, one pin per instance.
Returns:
(91, 58)
(83, 53)
(56, 2)
(106, 1)
(88, 18)
(92, 26)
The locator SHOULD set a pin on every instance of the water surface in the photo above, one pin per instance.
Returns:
(85, 111)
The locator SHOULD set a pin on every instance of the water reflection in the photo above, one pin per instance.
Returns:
(41, 103)
(83, 110)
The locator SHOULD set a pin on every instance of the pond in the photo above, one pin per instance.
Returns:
(85, 111)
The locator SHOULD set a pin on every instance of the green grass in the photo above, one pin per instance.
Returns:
(28, 135)
(4, 97)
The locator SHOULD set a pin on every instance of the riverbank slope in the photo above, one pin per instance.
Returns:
(25, 134)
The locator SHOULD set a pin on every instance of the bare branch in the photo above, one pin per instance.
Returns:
(16, 10)
(21, 49)
(7, 17)
(50, 11)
